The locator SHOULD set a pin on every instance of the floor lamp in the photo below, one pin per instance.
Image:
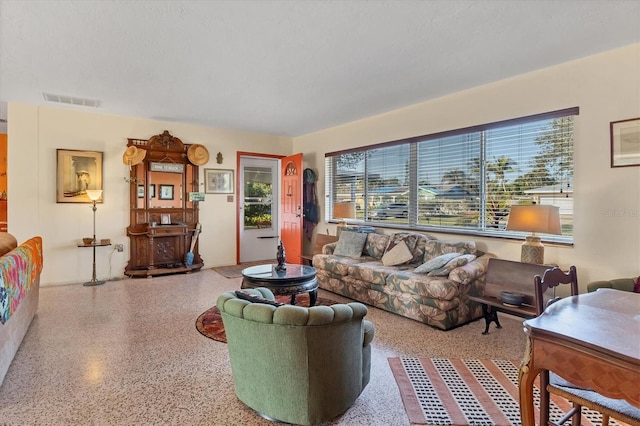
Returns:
(94, 195)
(534, 218)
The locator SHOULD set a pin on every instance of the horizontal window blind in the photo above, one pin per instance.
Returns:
(460, 181)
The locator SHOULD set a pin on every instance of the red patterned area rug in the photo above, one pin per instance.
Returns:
(452, 392)
(209, 323)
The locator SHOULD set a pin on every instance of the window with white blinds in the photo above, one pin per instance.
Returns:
(462, 180)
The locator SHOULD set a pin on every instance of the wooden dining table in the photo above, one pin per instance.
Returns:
(591, 340)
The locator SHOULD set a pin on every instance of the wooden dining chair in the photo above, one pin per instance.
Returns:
(551, 383)
(552, 278)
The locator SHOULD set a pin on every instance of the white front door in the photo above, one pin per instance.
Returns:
(259, 220)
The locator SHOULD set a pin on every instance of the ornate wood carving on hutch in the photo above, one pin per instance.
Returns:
(162, 219)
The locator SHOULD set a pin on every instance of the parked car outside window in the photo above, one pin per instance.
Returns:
(397, 210)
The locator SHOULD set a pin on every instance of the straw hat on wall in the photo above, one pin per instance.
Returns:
(198, 154)
(133, 156)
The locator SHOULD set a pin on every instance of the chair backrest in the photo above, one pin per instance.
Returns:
(553, 278)
(296, 364)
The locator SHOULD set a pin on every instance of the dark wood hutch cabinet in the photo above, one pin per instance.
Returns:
(162, 218)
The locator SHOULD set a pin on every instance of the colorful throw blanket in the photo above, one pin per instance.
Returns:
(18, 271)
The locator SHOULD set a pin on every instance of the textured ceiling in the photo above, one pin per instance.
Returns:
(285, 67)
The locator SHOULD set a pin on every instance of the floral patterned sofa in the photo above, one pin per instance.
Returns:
(438, 297)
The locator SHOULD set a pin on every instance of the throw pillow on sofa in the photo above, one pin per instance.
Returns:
(253, 298)
(435, 263)
(452, 264)
(398, 255)
(350, 244)
(376, 245)
(408, 240)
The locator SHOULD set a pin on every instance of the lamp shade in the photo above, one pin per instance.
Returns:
(94, 194)
(535, 218)
(344, 210)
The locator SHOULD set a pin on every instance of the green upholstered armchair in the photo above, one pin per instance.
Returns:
(625, 284)
(295, 364)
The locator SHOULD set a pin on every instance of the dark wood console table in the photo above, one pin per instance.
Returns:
(506, 275)
(161, 249)
(591, 340)
(320, 241)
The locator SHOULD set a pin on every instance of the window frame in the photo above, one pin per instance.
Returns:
(413, 142)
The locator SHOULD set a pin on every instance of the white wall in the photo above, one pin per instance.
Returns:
(606, 87)
(34, 134)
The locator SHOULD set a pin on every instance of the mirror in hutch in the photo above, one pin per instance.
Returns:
(163, 220)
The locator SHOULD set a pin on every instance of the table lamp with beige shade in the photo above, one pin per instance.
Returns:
(543, 219)
(342, 211)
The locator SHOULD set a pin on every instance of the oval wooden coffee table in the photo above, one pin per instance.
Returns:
(296, 279)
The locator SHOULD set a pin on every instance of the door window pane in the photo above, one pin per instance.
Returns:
(258, 197)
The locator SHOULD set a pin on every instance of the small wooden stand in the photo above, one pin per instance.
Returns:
(93, 280)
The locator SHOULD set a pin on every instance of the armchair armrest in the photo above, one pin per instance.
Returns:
(624, 284)
(369, 332)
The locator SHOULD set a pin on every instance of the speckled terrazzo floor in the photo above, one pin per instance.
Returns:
(128, 353)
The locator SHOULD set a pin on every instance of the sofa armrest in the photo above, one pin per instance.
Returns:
(329, 248)
(472, 270)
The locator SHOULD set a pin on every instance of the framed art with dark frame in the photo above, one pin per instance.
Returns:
(140, 191)
(218, 181)
(165, 219)
(625, 142)
(152, 190)
(166, 192)
(77, 171)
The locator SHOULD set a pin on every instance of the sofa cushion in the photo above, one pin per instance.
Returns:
(422, 285)
(435, 248)
(374, 273)
(350, 244)
(435, 263)
(459, 260)
(397, 255)
(376, 245)
(337, 265)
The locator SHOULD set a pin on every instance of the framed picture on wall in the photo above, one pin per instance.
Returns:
(140, 191)
(166, 192)
(165, 219)
(625, 142)
(77, 171)
(152, 190)
(217, 181)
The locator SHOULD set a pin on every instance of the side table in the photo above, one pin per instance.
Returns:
(94, 281)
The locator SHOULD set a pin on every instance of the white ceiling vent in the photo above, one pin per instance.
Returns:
(71, 100)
